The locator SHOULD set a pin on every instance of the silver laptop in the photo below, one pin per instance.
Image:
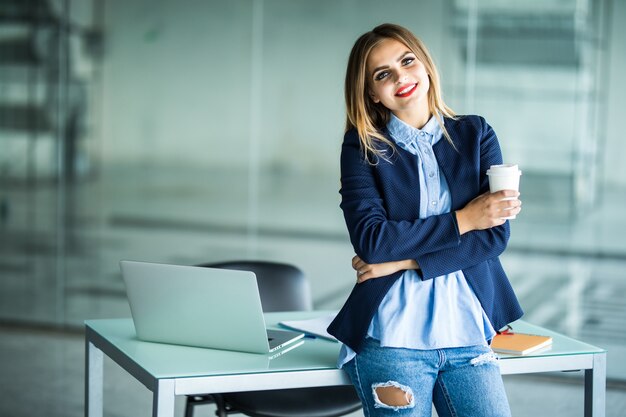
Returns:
(196, 306)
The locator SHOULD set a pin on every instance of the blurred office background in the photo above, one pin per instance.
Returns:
(196, 131)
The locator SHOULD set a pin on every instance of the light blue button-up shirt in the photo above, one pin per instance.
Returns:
(432, 314)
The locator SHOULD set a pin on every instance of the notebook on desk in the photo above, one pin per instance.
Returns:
(196, 306)
(519, 343)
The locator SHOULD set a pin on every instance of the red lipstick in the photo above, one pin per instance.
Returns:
(406, 90)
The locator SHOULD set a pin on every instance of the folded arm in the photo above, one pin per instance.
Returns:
(484, 234)
(439, 244)
(376, 238)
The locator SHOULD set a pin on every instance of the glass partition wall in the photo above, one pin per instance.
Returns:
(192, 132)
(48, 134)
(537, 69)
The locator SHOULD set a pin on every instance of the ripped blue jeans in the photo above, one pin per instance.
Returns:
(460, 382)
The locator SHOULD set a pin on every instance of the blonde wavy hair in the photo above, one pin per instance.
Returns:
(368, 117)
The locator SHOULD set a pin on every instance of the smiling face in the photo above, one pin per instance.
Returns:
(399, 81)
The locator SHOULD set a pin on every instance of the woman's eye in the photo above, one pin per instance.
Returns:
(407, 61)
(381, 75)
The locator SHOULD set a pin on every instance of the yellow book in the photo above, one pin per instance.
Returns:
(519, 343)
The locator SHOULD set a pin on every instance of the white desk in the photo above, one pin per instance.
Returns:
(169, 370)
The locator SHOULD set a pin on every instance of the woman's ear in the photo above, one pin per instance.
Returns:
(373, 96)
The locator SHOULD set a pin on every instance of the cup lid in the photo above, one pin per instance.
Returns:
(503, 173)
(504, 169)
(505, 166)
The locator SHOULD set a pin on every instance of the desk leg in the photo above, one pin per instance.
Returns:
(93, 380)
(163, 398)
(595, 387)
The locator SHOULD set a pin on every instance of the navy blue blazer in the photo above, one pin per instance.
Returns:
(380, 204)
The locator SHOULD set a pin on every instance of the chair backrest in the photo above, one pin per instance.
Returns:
(282, 287)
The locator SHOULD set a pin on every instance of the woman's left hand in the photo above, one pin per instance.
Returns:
(365, 271)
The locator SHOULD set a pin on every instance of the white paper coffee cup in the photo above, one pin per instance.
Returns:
(504, 177)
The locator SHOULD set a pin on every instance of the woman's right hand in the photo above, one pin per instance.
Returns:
(365, 271)
(488, 210)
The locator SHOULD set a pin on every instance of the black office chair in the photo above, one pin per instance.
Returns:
(282, 288)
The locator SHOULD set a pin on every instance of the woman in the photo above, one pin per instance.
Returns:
(427, 234)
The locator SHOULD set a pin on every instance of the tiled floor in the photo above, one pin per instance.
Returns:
(567, 269)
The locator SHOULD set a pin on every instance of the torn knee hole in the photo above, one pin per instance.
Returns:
(391, 394)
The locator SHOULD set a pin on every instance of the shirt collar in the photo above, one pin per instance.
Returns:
(403, 133)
